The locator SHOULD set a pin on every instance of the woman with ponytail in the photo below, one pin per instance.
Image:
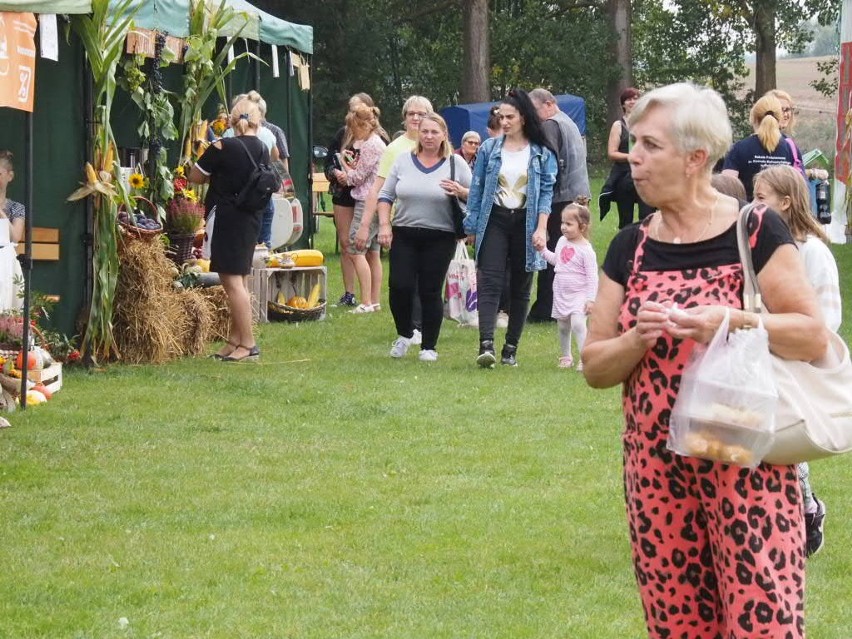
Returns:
(766, 147)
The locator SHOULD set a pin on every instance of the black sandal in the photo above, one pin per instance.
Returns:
(252, 355)
(221, 357)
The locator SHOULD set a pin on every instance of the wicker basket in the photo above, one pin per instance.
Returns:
(282, 312)
(180, 247)
(131, 230)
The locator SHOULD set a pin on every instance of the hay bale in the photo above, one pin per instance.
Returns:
(220, 315)
(196, 329)
(153, 321)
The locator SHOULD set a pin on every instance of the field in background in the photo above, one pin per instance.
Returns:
(815, 123)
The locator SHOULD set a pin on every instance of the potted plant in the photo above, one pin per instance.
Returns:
(184, 217)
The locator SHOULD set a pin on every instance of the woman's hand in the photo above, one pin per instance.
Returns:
(340, 177)
(385, 235)
(652, 321)
(361, 237)
(539, 238)
(698, 323)
(454, 189)
(470, 240)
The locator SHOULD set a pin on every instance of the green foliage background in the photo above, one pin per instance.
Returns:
(393, 48)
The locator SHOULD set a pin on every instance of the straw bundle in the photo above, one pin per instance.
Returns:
(153, 321)
(220, 317)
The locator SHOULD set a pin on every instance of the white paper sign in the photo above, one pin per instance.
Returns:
(47, 35)
(275, 71)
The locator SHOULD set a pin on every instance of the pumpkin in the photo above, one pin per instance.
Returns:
(41, 388)
(32, 361)
(307, 257)
(34, 397)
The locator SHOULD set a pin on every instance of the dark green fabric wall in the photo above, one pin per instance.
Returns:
(59, 135)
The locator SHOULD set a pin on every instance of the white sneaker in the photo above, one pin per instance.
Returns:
(400, 347)
(363, 308)
(428, 356)
(502, 320)
(417, 338)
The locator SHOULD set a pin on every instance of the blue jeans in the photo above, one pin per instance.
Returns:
(265, 235)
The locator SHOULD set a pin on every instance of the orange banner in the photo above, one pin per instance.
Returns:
(17, 60)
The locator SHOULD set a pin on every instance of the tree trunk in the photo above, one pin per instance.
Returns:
(620, 13)
(764, 32)
(476, 60)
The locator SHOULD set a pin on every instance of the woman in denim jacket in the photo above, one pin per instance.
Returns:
(508, 206)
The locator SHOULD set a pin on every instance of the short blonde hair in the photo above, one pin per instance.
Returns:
(446, 149)
(244, 116)
(699, 118)
(416, 100)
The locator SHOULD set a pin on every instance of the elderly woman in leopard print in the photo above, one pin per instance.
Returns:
(717, 549)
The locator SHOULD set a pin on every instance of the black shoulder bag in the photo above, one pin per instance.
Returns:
(455, 205)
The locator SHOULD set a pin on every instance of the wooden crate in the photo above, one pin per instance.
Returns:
(265, 283)
(51, 377)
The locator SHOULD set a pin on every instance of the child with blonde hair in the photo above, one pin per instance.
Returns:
(783, 189)
(575, 280)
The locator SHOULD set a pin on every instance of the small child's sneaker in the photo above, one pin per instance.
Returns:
(502, 320)
(428, 356)
(417, 337)
(566, 362)
(400, 347)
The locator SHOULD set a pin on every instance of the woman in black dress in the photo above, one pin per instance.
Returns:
(227, 166)
(619, 186)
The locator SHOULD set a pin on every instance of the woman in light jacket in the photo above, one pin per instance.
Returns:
(508, 207)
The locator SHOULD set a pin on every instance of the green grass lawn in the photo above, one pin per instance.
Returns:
(332, 492)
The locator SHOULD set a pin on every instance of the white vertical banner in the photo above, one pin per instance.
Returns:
(276, 72)
(48, 36)
(843, 142)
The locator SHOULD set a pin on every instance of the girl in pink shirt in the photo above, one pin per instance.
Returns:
(575, 281)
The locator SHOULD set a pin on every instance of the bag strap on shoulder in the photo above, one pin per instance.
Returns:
(751, 290)
(248, 153)
(452, 168)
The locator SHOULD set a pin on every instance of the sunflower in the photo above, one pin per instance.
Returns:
(179, 171)
(137, 180)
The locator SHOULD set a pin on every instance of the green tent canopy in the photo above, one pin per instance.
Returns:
(172, 16)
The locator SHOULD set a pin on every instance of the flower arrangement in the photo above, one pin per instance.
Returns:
(185, 211)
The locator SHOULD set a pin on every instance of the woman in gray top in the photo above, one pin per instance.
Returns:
(422, 238)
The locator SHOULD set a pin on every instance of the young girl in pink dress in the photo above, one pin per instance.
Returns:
(575, 281)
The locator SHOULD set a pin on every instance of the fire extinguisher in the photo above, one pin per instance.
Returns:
(823, 202)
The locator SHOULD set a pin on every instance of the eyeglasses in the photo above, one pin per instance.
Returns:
(415, 114)
(789, 111)
(471, 142)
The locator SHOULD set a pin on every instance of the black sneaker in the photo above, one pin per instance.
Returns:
(347, 299)
(486, 358)
(507, 356)
(814, 522)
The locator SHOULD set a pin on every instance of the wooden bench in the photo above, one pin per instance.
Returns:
(320, 188)
(45, 245)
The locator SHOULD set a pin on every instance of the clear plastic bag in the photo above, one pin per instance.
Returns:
(725, 408)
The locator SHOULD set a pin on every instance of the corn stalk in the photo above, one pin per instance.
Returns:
(204, 66)
(103, 33)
